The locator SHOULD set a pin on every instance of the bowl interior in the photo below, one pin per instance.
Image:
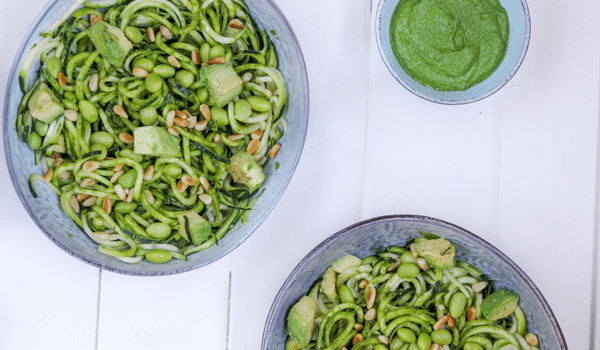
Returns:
(46, 210)
(519, 22)
(363, 238)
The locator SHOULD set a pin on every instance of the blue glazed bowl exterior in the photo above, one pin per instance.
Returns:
(365, 238)
(518, 42)
(46, 210)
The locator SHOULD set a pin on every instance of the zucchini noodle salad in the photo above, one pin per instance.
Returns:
(416, 297)
(153, 121)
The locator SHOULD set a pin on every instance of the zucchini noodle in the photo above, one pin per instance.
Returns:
(416, 297)
(172, 189)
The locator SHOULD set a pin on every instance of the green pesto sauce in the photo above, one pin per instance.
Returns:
(449, 45)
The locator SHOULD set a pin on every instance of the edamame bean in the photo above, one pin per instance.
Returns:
(408, 270)
(54, 66)
(159, 230)
(259, 104)
(34, 140)
(88, 111)
(127, 153)
(124, 207)
(70, 95)
(396, 344)
(216, 51)
(205, 52)
(202, 95)
(70, 104)
(164, 70)
(379, 347)
(424, 341)
(145, 63)
(472, 346)
(133, 34)
(127, 180)
(148, 115)
(98, 147)
(242, 110)
(457, 304)
(172, 170)
(153, 82)
(441, 336)
(406, 335)
(407, 257)
(413, 346)
(218, 116)
(345, 294)
(185, 78)
(41, 128)
(159, 256)
(103, 138)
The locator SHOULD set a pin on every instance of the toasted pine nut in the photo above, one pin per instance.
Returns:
(257, 134)
(170, 117)
(434, 346)
(423, 264)
(150, 34)
(371, 294)
(370, 314)
(257, 157)
(140, 72)
(472, 313)
(205, 111)
(54, 156)
(440, 323)
(107, 204)
(204, 182)
(187, 113)
(118, 167)
(173, 131)
(87, 182)
(129, 198)
(181, 186)
(235, 137)
(49, 174)
(247, 77)
(217, 138)
(90, 166)
(479, 286)
(120, 111)
(200, 190)
(196, 59)
(149, 197)
(192, 122)
(74, 204)
(174, 61)
(116, 176)
(59, 162)
(383, 339)
(93, 83)
(359, 327)
(166, 32)
(253, 146)
(181, 122)
(216, 60)
(65, 175)
(149, 172)
(201, 125)
(90, 202)
(532, 339)
(205, 198)
(273, 152)
(125, 137)
(120, 192)
(394, 266)
(94, 19)
(62, 80)
(188, 180)
(363, 284)
(451, 321)
(180, 114)
(236, 24)
(71, 115)
(82, 196)
(357, 338)
(413, 251)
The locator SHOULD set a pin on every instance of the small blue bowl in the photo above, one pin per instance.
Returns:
(518, 41)
(367, 237)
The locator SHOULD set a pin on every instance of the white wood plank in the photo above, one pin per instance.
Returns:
(324, 195)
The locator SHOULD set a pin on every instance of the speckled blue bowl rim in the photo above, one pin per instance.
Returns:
(11, 78)
(332, 241)
(455, 101)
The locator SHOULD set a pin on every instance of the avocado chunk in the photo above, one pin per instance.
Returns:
(110, 41)
(499, 304)
(328, 284)
(245, 170)
(301, 320)
(44, 105)
(345, 262)
(155, 141)
(194, 228)
(438, 252)
(222, 82)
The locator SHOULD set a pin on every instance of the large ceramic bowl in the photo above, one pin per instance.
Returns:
(518, 42)
(54, 223)
(365, 238)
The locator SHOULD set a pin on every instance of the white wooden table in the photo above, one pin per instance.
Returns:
(519, 169)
